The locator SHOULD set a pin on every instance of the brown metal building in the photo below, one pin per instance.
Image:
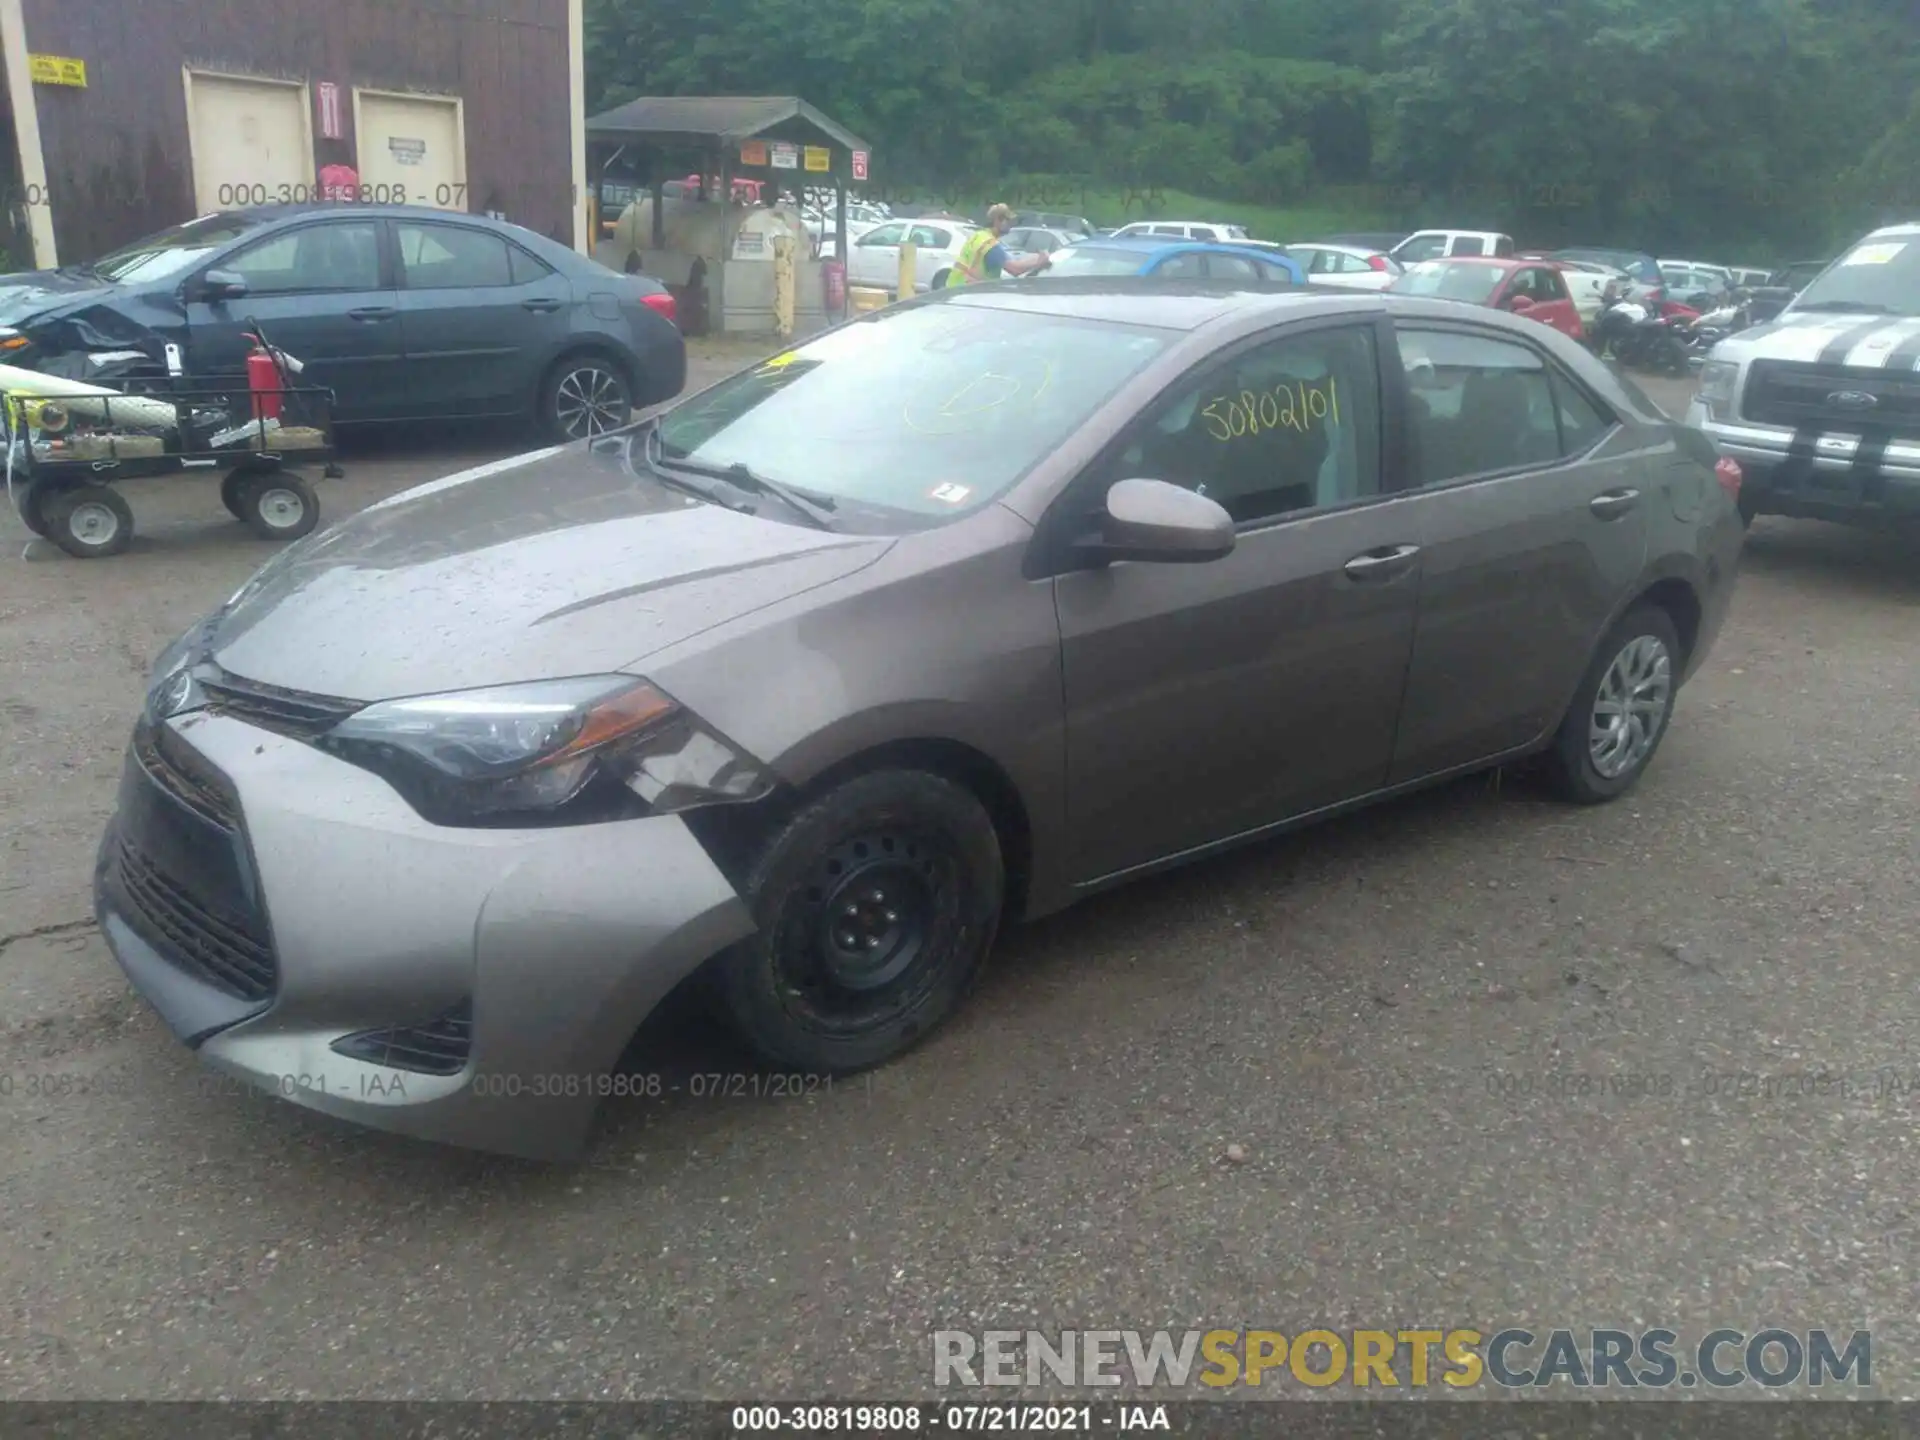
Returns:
(125, 116)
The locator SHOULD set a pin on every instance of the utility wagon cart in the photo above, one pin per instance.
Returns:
(68, 452)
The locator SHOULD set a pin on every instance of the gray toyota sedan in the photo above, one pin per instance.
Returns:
(799, 690)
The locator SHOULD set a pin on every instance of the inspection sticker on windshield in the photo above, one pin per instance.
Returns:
(950, 493)
(1875, 254)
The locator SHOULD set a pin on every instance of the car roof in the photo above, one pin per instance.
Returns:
(1905, 227)
(1603, 250)
(1154, 244)
(1196, 305)
(1149, 300)
(264, 214)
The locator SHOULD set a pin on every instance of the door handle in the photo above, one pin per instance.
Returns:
(1384, 563)
(539, 304)
(373, 313)
(1614, 504)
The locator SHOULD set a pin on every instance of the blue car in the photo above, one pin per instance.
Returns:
(1177, 260)
(405, 313)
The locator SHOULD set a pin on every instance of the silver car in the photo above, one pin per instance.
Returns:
(951, 616)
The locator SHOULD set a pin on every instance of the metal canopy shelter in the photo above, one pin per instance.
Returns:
(731, 136)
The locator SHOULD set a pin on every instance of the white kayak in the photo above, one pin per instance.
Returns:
(126, 409)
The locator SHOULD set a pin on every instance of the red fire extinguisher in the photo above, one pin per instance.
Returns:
(833, 276)
(263, 379)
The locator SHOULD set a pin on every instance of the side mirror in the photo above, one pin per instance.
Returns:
(222, 285)
(1153, 521)
(1519, 304)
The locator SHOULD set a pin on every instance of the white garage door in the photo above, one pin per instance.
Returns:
(412, 148)
(251, 144)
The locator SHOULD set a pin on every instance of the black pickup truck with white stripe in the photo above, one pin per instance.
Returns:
(1821, 407)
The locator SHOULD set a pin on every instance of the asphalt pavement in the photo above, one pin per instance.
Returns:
(1453, 1062)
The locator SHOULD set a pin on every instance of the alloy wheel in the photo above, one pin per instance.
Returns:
(1631, 706)
(589, 401)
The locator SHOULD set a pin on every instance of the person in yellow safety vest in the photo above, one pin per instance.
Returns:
(983, 257)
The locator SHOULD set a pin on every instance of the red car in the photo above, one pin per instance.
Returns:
(1533, 288)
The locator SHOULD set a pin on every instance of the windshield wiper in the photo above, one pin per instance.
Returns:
(743, 477)
(649, 437)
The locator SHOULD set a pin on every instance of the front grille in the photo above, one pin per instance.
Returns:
(293, 713)
(437, 1047)
(182, 774)
(1796, 396)
(227, 951)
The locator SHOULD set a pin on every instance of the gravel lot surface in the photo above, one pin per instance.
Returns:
(1391, 1018)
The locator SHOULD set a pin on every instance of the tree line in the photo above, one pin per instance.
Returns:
(1759, 129)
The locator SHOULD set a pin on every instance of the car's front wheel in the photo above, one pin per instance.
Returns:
(1621, 711)
(585, 395)
(876, 905)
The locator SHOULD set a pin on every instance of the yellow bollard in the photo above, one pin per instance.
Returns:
(783, 285)
(909, 271)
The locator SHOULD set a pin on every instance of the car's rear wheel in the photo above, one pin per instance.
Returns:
(1620, 713)
(585, 395)
(876, 905)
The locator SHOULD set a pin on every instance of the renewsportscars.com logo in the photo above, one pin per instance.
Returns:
(1458, 1358)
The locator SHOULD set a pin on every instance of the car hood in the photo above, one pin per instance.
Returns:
(1803, 334)
(564, 562)
(34, 292)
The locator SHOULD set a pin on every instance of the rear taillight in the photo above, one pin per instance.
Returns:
(1376, 262)
(1727, 471)
(664, 304)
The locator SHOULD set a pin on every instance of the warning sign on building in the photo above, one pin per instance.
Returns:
(786, 157)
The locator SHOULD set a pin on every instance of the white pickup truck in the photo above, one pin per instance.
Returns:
(1821, 406)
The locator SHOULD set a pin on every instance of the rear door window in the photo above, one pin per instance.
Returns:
(1189, 266)
(1230, 267)
(451, 257)
(1476, 405)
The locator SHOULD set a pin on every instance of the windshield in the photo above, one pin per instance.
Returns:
(1092, 260)
(166, 254)
(1879, 275)
(1472, 283)
(931, 411)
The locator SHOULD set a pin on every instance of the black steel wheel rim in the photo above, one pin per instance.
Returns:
(865, 934)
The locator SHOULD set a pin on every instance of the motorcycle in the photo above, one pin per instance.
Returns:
(1630, 332)
(1734, 314)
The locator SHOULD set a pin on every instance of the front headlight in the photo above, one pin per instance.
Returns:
(585, 746)
(1718, 378)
